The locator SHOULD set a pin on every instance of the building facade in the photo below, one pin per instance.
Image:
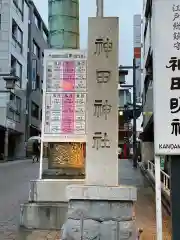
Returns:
(147, 136)
(14, 57)
(37, 42)
(125, 108)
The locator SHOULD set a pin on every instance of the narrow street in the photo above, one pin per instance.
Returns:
(14, 187)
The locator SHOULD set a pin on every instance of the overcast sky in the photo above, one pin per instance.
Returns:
(124, 9)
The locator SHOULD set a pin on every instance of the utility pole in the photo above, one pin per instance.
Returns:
(134, 116)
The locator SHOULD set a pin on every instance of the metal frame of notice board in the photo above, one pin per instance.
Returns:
(69, 98)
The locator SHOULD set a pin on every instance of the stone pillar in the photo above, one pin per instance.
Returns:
(101, 209)
(100, 212)
(6, 143)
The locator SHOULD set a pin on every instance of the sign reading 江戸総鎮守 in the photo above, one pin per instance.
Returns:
(166, 76)
(64, 96)
(102, 104)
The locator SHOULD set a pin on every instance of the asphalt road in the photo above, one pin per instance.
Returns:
(14, 190)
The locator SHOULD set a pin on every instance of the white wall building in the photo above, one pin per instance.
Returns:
(148, 131)
(14, 16)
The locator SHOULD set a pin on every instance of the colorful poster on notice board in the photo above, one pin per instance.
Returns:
(64, 96)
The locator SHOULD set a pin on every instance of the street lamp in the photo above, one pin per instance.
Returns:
(10, 80)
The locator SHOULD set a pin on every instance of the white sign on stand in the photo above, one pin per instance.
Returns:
(166, 87)
(166, 76)
(64, 105)
(102, 104)
(64, 97)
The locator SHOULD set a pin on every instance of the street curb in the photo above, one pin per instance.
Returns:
(165, 197)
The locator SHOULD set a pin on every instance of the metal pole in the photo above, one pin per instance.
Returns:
(158, 198)
(29, 83)
(100, 8)
(41, 159)
(134, 115)
(175, 196)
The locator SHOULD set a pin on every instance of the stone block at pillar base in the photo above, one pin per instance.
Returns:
(45, 216)
(102, 212)
(91, 229)
(50, 190)
(101, 192)
(48, 204)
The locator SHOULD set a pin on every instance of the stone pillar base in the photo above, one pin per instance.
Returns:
(100, 212)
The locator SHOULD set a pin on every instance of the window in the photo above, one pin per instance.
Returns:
(41, 115)
(19, 5)
(19, 70)
(0, 21)
(34, 73)
(12, 96)
(18, 104)
(17, 37)
(10, 113)
(37, 22)
(16, 68)
(34, 110)
(17, 117)
(37, 81)
(36, 49)
(14, 109)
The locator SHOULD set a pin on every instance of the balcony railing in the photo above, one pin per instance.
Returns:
(165, 178)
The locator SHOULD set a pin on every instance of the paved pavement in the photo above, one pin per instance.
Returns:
(14, 186)
(145, 206)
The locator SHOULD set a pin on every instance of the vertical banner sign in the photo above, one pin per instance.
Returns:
(137, 53)
(64, 96)
(102, 104)
(166, 76)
